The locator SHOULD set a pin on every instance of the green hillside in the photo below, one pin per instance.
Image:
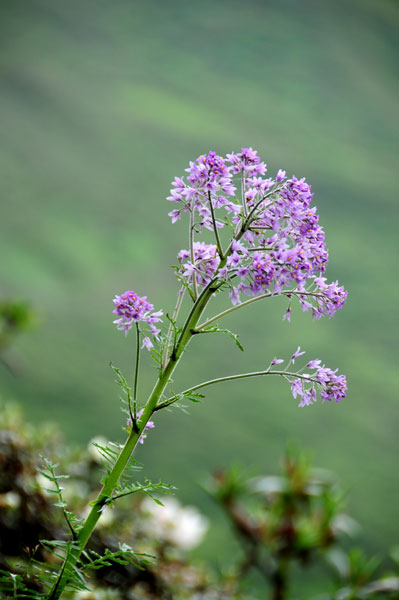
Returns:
(103, 103)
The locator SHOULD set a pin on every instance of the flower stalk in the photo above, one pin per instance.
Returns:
(199, 386)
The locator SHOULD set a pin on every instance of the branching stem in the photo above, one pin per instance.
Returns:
(136, 377)
(192, 255)
(287, 374)
(180, 295)
(218, 244)
(251, 216)
(244, 200)
(261, 297)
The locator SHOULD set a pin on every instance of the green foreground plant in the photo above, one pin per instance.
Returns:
(281, 522)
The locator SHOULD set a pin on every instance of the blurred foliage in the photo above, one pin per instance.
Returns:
(103, 104)
(28, 516)
(295, 517)
(14, 317)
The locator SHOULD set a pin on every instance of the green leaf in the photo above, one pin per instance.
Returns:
(215, 329)
(192, 396)
(121, 381)
(124, 556)
(50, 474)
(148, 487)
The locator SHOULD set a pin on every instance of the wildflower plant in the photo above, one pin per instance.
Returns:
(266, 241)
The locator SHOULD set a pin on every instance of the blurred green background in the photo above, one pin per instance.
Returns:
(102, 104)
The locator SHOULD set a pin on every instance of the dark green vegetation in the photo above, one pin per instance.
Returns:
(102, 105)
(281, 523)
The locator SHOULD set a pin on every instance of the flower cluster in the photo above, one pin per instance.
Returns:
(204, 265)
(279, 245)
(208, 180)
(247, 161)
(332, 297)
(333, 386)
(131, 308)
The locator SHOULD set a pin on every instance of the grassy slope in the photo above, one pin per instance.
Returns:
(102, 105)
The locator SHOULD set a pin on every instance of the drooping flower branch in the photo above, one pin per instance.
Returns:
(331, 385)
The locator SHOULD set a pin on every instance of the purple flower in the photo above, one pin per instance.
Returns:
(277, 361)
(334, 387)
(234, 295)
(206, 261)
(287, 314)
(296, 388)
(313, 364)
(247, 161)
(174, 215)
(296, 354)
(280, 175)
(147, 343)
(308, 398)
(131, 308)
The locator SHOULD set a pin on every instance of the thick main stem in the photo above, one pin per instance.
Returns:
(113, 478)
(116, 472)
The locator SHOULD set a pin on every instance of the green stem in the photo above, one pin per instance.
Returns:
(192, 255)
(244, 200)
(180, 295)
(251, 300)
(136, 377)
(279, 579)
(251, 216)
(218, 244)
(232, 309)
(231, 378)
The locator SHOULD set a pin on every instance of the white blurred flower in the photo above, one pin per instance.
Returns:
(84, 595)
(93, 451)
(10, 500)
(269, 485)
(97, 594)
(181, 526)
(345, 524)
